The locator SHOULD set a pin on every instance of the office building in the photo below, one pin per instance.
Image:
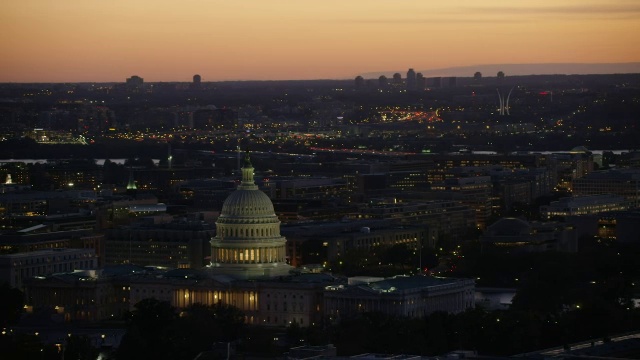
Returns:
(411, 79)
(180, 243)
(451, 220)
(621, 182)
(407, 296)
(81, 295)
(584, 205)
(511, 235)
(16, 268)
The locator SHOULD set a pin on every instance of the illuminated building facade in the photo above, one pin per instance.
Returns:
(618, 226)
(572, 166)
(267, 302)
(621, 182)
(584, 205)
(474, 192)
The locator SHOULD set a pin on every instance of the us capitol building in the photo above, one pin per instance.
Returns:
(248, 270)
(248, 267)
(248, 244)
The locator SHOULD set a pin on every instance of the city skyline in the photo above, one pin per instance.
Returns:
(92, 41)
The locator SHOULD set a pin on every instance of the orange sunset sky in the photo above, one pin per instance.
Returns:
(170, 40)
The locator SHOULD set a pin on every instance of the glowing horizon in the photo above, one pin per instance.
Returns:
(170, 40)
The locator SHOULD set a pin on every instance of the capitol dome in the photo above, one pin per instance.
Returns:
(247, 203)
(248, 243)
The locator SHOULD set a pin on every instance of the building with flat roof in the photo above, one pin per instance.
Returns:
(267, 302)
(407, 296)
(619, 226)
(449, 218)
(286, 187)
(335, 239)
(16, 268)
(472, 191)
(583, 205)
(512, 235)
(179, 243)
(81, 295)
(621, 182)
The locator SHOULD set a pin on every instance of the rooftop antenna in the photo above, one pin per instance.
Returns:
(238, 146)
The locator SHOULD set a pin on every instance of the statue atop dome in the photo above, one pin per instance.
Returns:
(247, 159)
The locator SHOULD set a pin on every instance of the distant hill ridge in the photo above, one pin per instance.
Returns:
(523, 69)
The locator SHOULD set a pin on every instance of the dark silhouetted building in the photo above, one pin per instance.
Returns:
(511, 235)
(405, 296)
(421, 81)
(383, 82)
(411, 79)
(134, 83)
(197, 82)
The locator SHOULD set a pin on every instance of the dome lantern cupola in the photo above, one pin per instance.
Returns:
(247, 175)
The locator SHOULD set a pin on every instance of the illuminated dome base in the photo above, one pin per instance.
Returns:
(244, 272)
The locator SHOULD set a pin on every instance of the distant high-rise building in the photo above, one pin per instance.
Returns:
(359, 82)
(196, 82)
(397, 79)
(383, 82)
(411, 79)
(421, 81)
(134, 83)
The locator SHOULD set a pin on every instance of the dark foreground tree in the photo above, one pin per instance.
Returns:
(157, 331)
(11, 302)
